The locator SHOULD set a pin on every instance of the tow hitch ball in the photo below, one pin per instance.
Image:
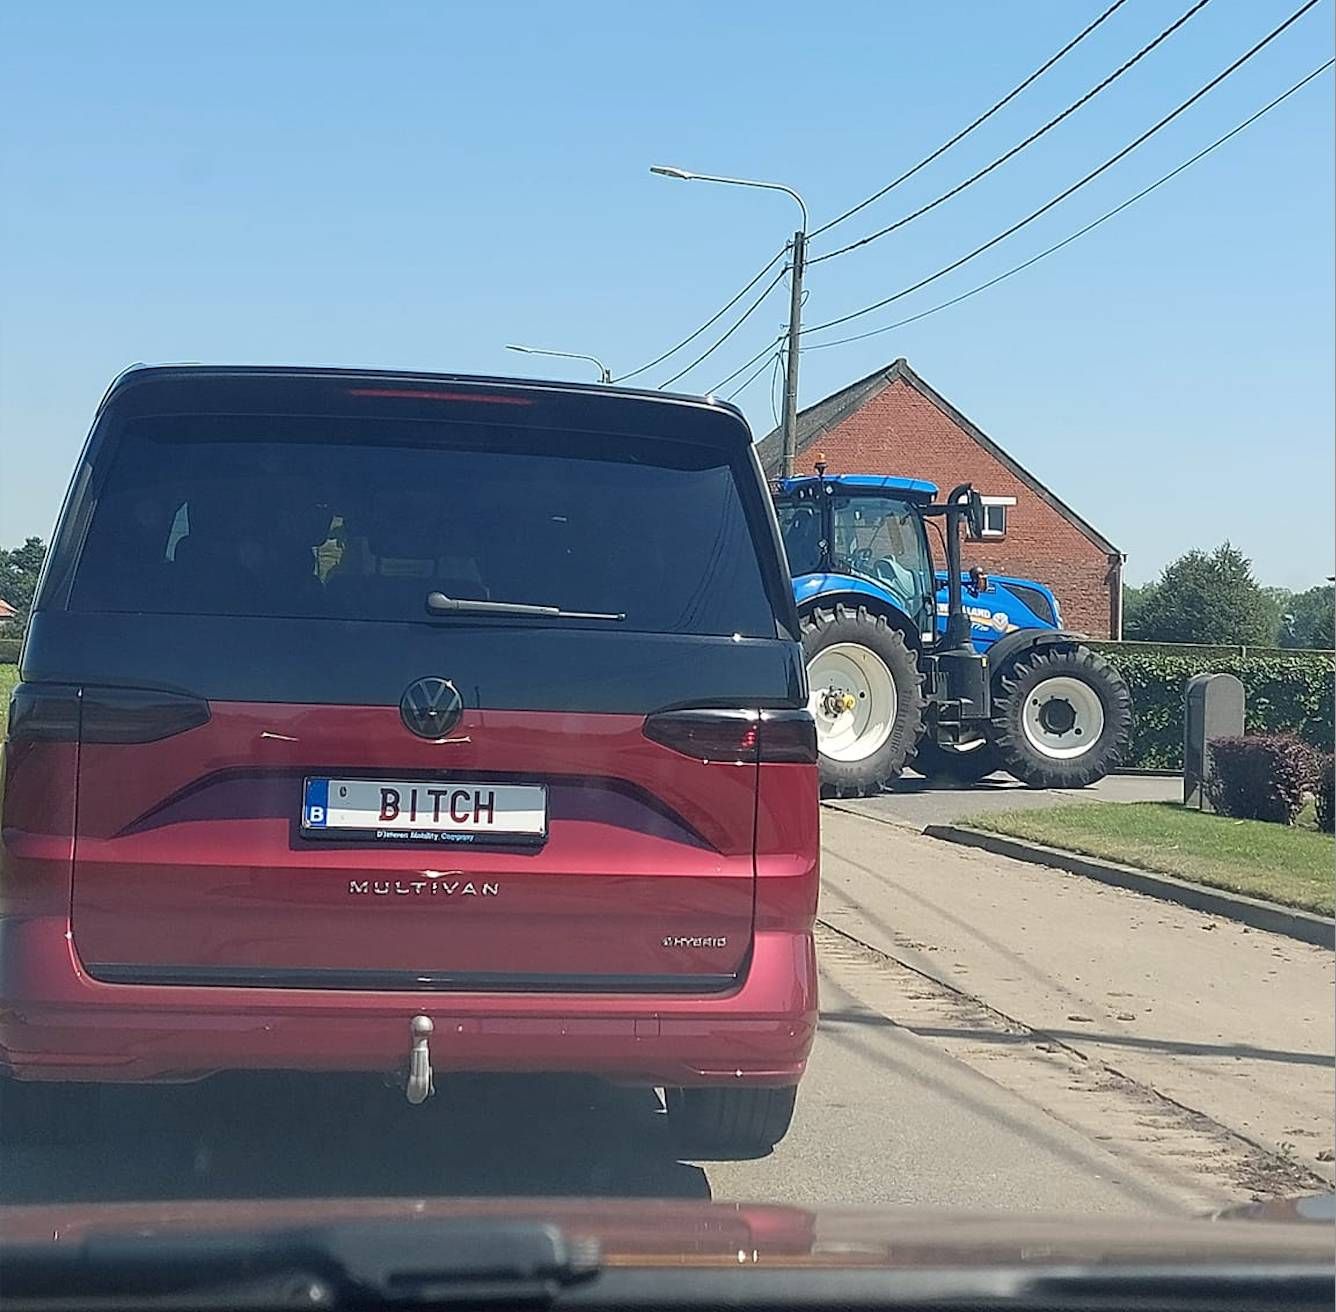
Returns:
(419, 1086)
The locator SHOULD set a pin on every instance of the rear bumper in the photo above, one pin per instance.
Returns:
(58, 1023)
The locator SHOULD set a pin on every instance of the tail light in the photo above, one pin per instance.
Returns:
(43, 714)
(788, 737)
(60, 713)
(736, 735)
(707, 735)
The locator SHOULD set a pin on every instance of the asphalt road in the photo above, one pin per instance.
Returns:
(946, 1073)
(884, 1117)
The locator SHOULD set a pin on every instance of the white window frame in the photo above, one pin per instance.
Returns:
(996, 501)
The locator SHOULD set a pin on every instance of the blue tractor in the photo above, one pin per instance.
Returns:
(960, 674)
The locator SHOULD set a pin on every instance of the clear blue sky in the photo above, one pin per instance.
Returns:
(416, 184)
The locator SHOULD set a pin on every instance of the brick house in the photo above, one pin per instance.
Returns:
(892, 422)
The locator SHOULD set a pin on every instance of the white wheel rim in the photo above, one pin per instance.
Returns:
(853, 700)
(1063, 718)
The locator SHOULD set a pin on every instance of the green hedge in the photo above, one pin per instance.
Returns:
(1285, 691)
(9, 650)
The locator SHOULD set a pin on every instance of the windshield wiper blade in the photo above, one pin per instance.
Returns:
(439, 604)
(408, 1264)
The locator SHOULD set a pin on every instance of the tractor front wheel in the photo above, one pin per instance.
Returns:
(1062, 717)
(866, 696)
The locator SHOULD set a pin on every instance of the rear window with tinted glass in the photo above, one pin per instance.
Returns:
(353, 520)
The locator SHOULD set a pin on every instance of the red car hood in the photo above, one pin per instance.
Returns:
(687, 1234)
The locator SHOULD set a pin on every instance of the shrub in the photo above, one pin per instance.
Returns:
(1326, 794)
(9, 651)
(1287, 692)
(1263, 777)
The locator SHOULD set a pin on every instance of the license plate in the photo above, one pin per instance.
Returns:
(418, 810)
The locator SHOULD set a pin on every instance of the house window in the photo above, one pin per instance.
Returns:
(995, 516)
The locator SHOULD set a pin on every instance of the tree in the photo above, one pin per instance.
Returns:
(1207, 597)
(1310, 618)
(1135, 600)
(19, 568)
(1280, 601)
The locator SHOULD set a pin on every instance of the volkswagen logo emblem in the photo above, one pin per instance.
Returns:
(430, 707)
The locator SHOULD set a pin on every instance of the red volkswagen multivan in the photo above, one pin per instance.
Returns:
(414, 723)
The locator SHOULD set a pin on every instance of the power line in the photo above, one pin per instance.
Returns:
(752, 377)
(709, 323)
(983, 118)
(1089, 177)
(746, 364)
(1080, 232)
(746, 314)
(1020, 146)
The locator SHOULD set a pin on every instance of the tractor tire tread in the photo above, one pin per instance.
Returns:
(1015, 753)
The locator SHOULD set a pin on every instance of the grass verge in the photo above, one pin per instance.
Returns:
(1292, 866)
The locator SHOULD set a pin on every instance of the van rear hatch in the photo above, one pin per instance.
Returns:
(403, 682)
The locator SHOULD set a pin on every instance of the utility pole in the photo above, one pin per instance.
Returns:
(790, 424)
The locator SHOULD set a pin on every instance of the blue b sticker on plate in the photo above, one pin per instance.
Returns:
(315, 809)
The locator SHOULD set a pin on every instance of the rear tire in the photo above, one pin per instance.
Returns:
(966, 764)
(867, 660)
(731, 1122)
(1062, 718)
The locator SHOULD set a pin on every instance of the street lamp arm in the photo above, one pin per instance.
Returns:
(604, 373)
(688, 176)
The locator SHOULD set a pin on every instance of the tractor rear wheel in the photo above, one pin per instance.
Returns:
(866, 696)
(1062, 717)
(966, 762)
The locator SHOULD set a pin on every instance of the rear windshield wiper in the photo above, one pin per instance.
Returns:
(439, 604)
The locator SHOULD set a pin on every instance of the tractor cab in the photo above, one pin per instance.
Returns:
(865, 530)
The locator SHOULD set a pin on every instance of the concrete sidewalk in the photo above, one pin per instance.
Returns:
(1231, 1022)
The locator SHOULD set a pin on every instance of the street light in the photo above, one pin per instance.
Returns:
(604, 373)
(790, 422)
(684, 175)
